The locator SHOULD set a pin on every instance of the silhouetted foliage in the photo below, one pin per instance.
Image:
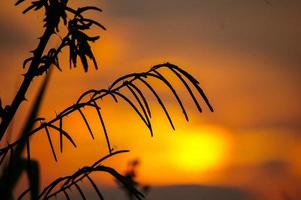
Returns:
(131, 176)
(59, 15)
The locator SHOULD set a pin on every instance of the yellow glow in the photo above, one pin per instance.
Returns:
(201, 150)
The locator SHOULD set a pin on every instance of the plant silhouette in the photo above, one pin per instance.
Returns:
(59, 15)
(131, 175)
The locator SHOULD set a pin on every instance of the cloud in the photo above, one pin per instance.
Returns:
(177, 192)
(252, 27)
(196, 192)
(12, 36)
(275, 168)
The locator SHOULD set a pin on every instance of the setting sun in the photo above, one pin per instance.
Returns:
(201, 150)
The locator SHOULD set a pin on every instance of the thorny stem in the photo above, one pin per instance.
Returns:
(28, 78)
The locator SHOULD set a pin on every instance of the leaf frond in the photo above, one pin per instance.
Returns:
(159, 101)
(86, 122)
(127, 82)
(66, 182)
(103, 127)
(50, 142)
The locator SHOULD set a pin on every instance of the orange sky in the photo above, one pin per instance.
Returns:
(247, 58)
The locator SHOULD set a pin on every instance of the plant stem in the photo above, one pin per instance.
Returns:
(28, 78)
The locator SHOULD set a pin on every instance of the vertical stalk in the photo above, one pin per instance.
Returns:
(28, 78)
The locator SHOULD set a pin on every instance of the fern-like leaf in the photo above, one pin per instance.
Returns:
(117, 91)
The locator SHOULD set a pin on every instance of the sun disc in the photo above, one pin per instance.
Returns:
(201, 150)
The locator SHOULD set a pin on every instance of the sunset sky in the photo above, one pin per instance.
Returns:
(247, 57)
